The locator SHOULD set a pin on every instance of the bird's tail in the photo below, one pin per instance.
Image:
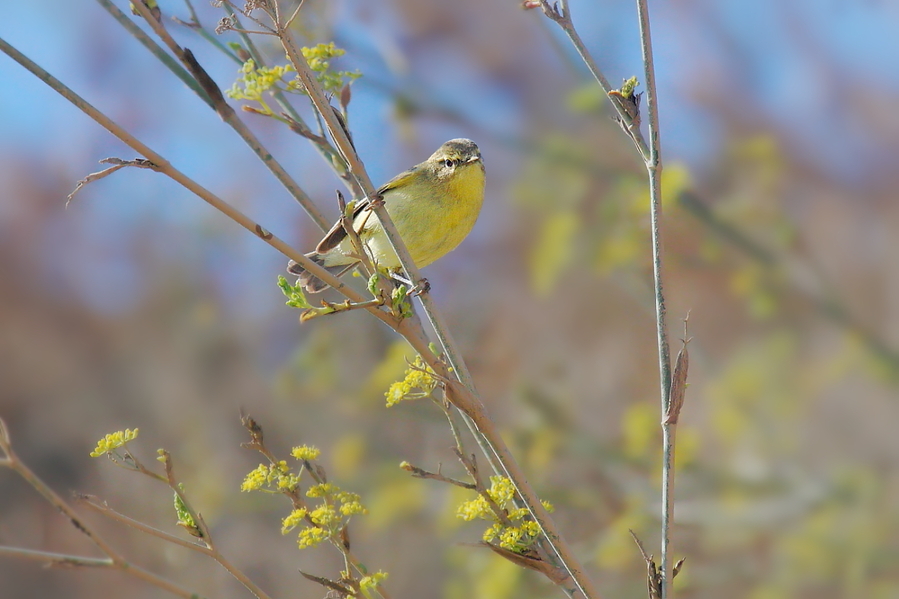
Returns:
(310, 282)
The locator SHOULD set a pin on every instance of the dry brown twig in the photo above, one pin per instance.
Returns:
(117, 163)
(417, 472)
(654, 576)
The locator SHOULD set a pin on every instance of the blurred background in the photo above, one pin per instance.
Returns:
(139, 306)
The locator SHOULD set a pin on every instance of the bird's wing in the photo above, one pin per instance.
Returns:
(337, 233)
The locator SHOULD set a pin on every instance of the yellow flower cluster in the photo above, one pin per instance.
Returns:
(323, 522)
(326, 520)
(321, 490)
(255, 81)
(293, 520)
(501, 490)
(319, 59)
(113, 441)
(277, 477)
(324, 516)
(351, 507)
(305, 452)
(518, 537)
(312, 536)
(419, 382)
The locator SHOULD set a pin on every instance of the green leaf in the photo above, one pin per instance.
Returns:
(295, 296)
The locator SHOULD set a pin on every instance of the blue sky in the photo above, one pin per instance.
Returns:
(796, 65)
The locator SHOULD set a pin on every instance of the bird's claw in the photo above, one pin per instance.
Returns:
(423, 286)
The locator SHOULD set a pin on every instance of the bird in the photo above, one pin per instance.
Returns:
(434, 206)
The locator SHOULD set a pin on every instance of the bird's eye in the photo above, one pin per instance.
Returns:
(449, 163)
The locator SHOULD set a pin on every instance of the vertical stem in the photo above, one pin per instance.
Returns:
(654, 169)
(669, 432)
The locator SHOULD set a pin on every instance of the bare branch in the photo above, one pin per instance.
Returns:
(118, 164)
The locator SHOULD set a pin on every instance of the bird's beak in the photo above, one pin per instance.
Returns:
(474, 158)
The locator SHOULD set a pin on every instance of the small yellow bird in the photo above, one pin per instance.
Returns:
(434, 206)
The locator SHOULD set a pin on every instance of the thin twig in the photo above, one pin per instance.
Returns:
(654, 169)
(105, 510)
(422, 473)
(56, 559)
(117, 163)
(653, 575)
(65, 560)
(328, 308)
(561, 14)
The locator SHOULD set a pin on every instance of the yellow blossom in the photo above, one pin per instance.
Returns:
(113, 441)
(291, 521)
(352, 508)
(418, 382)
(476, 508)
(288, 481)
(324, 515)
(255, 479)
(501, 490)
(312, 536)
(516, 537)
(305, 452)
(321, 490)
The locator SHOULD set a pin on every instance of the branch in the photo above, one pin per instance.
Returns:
(654, 168)
(105, 510)
(417, 472)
